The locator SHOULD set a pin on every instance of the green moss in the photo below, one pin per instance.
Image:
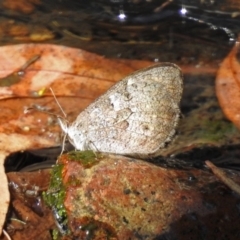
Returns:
(216, 130)
(87, 158)
(55, 195)
(56, 235)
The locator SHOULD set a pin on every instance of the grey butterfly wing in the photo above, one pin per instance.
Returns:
(137, 116)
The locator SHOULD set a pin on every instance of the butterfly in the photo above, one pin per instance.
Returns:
(135, 117)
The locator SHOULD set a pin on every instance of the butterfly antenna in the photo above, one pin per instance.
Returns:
(64, 114)
(62, 119)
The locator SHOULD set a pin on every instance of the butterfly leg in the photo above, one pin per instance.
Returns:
(91, 146)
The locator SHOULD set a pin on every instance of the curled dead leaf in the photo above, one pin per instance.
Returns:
(21, 6)
(228, 86)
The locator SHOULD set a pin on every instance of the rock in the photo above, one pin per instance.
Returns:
(123, 198)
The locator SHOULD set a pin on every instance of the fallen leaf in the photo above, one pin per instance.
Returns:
(62, 67)
(228, 86)
(24, 6)
(5, 196)
(76, 76)
(35, 219)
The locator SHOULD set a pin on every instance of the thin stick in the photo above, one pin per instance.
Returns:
(223, 177)
(28, 63)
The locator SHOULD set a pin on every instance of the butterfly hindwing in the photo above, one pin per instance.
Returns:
(134, 117)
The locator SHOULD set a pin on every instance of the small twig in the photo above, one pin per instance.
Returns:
(6, 235)
(28, 63)
(162, 6)
(18, 220)
(223, 177)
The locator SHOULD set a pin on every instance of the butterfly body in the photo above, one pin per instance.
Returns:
(136, 117)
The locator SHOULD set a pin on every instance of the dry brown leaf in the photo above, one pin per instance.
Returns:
(62, 67)
(5, 197)
(76, 76)
(228, 86)
(24, 6)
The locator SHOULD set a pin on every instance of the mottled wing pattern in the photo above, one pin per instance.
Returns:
(137, 116)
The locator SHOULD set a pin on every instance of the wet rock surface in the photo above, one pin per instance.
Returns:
(116, 197)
